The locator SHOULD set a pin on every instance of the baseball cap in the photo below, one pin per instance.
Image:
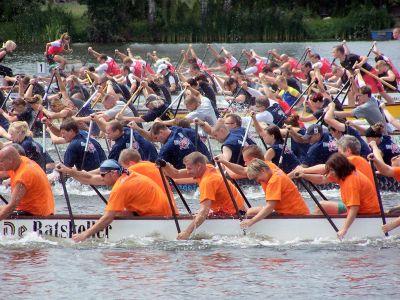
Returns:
(151, 98)
(313, 129)
(161, 68)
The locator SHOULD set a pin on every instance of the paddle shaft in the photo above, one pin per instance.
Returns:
(196, 138)
(318, 191)
(179, 104)
(169, 199)
(132, 98)
(382, 212)
(233, 101)
(87, 144)
(236, 184)
(246, 134)
(180, 195)
(172, 103)
(301, 58)
(3, 199)
(8, 94)
(87, 102)
(71, 215)
(283, 150)
(379, 79)
(204, 57)
(318, 204)
(229, 191)
(215, 59)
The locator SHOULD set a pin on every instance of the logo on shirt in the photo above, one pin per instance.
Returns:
(331, 145)
(183, 142)
(135, 145)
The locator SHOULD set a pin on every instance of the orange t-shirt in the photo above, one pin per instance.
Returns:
(150, 170)
(397, 173)
(38, 199)
(358, 190)
(138, 193)
(212, 187)
(280, 188)
(362, 166)
(271, 165)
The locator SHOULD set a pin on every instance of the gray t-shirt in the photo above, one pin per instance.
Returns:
(369, 111)
(112, 112)
(204, 112)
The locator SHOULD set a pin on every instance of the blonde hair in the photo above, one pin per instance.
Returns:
(9, 45)
(382, 63)
(21, 127)
(256, 167)
(195, 158)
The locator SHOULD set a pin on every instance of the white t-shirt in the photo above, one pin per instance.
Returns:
(204, 112)
(103, 67)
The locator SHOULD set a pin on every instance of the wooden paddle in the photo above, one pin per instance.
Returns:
(302, 182)
(382, 211)
(134, 96)
(379, 79)
(178, 228)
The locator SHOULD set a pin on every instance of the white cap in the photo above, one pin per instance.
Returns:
(161, 68)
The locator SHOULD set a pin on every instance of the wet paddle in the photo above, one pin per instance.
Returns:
(180, 195)
(71, 215)
(302, 182)
(382, 211)
(160, 168)
(230, 192)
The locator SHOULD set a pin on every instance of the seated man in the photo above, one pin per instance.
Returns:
(30, 190)
(281, 193)
(214, 195)
(133, 194)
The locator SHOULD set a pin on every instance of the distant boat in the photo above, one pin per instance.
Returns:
(381, 35)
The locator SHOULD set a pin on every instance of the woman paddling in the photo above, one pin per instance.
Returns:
(54, 49)
(8, 47)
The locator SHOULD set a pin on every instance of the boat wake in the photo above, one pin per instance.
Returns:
(198, 243)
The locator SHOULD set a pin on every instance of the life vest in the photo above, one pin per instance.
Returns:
(260, 65)
(54, 50)
(113, 68)
(393, 68)
(138, 68)
(149, 69)
(326, 66)
(228, 66)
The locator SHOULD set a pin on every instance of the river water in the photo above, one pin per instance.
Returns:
(241, 267)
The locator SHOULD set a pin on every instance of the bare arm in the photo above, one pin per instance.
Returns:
(330, 119)
(17, 194)
(351, 216)
(102, 223)
(264, 212)
(201, 216)
(237, 169)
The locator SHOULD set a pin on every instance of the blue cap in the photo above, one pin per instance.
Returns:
(110, 165)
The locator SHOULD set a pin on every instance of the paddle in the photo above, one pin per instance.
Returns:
(87, 102)
(233, 101)
(169, 198)
(236, 184)
(92, 186)
(196, 138)
(283, 150)
(204, 57)
(179, 104)
(297, 101)
(382, 212)
(302, 56)
(230, 193)
(301, 180)
(380, 80)
(178, 98)
(71, 215)
(87, 144)
(133, 98)
(8, 94)
(246, 134)
(179, 60)
(3, 199)
(131, 138)
(215, 58)
(180, 195)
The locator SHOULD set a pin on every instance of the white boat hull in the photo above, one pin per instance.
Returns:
(277, 228)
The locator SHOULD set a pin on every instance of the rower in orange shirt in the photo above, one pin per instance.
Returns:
(30, 190)
(132, 194)
(281, 193)
(131, 160)
(390, 171)
(357, 192)
(214, 195)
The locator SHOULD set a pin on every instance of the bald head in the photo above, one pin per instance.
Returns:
(9, 159)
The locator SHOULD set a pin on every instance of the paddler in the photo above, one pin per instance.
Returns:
(390, 171)
(281, 193)
(214, 197)
(54, 49)
(132, 195)
(8, 47)
(31, 193)
(357, 191)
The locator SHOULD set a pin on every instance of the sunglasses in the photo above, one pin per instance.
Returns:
(317, 100)
(104, 174)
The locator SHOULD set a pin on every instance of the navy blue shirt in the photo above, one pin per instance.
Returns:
(289, 161)
(365, 150)
(145, 148)
(277, 113)
(234, 142)
(321, 150)
(34, 151)
(75, 151)
(154, 113)
(299, 149)
(180, 143)
(389, 149)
